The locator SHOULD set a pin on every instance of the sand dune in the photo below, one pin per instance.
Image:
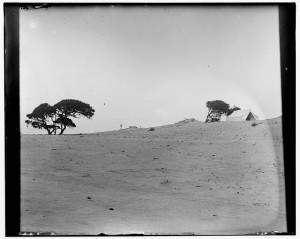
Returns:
(190, 177)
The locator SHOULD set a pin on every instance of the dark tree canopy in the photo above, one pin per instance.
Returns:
(40, 116)
(65, 121)
(74, 108)
(217, 108)
(231, 110)
(42, 111)
(52, 118)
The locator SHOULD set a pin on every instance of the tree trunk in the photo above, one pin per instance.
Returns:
(207, 118)
(55, 124)
(62, 130)
(53, 130)
(208, 115)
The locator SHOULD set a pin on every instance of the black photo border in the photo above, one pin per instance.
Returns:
(287, 28)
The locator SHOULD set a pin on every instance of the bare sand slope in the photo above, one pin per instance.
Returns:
(217, 178)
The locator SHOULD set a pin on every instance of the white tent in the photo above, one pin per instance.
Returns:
(242, 115)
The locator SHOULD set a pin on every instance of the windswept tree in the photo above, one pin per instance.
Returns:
(42, 117)
(57, 117)
(215, 109)
(71, 108)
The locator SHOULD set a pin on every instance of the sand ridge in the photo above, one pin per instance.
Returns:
(186, 178)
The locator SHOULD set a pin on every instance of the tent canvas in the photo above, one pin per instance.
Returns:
(242, 115)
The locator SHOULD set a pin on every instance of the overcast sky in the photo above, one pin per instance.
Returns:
(149, 66)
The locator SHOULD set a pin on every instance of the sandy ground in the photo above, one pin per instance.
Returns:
(215, 178)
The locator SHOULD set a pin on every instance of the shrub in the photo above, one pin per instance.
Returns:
(133, 127)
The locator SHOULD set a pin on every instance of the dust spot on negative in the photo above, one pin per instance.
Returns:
(32, 25)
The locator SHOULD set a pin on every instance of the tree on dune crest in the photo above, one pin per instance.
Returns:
(71, 108)
(42, 117)
(217, 108)
(57, 117)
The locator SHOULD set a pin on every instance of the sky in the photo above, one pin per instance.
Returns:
(149, 66)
